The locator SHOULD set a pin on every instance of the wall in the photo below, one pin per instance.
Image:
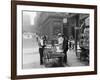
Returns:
(5, 40)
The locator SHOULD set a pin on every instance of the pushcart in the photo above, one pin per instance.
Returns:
(52, 58)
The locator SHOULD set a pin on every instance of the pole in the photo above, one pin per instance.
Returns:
(76, 32)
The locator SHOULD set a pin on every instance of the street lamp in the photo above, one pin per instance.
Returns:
(64, 22)
(65, 52)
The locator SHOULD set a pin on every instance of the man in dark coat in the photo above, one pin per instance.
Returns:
(65, 48)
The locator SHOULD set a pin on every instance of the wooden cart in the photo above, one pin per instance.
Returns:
(52, 58)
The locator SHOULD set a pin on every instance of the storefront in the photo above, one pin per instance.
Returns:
(82, 49)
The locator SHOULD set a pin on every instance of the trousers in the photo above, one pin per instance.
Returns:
(65, 55)
(41, 55)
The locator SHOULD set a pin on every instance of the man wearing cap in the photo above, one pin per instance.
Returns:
(60, 40)
(63, 43)
(60, 48)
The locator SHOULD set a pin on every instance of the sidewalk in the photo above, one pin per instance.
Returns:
(31, 60)
(73, 60)
(31, 57)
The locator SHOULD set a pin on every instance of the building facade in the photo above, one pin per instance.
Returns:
(51, 23)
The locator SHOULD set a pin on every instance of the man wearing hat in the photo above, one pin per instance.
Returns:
(63, 43)
(60, 40)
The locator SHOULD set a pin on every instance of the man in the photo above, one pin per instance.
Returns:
(60, 41)
(60, 44)
(65, 48)
(41, 48)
